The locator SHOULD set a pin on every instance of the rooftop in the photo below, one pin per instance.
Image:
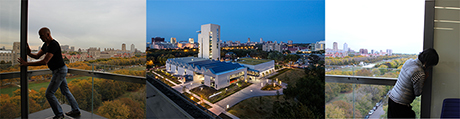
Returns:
(251, 61)
(214, 66)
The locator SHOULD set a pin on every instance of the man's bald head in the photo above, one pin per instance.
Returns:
(45, 34)
(44, 30)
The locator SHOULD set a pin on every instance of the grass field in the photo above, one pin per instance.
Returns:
(290, 76)
(253, 108)
(251, 61)
(35, 86)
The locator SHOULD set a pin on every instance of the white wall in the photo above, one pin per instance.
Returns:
(446, 75)
(222, 80)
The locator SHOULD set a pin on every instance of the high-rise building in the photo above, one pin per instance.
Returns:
(72, 48)
(209, 40)
(289, 41)
(249, 40)
(363, 51)
(173, 40)
(320, 45)
(190, 40)
(261, 40)
(123, 47)
(389, 52)
(133, 48)
(158, 39)
(335, 47)
(345, 47)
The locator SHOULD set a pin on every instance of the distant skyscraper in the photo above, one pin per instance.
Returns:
(289, 41)
(335, 47)
(261, 40)
(249, 40)
(363, 51)
(389, 52)
(158, 39)
(133, 48)
(72, 48)
(209, 40)
(173, 40)
(345, 47)
(372, 51)
(123, 47)
(190, 40)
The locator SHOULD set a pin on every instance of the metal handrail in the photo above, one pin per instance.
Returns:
(360, 80)
(98, 74)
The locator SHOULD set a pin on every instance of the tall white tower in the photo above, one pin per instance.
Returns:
(345, 47)
(133, 48)
(190, 40)
(173, 40)
(209, 41)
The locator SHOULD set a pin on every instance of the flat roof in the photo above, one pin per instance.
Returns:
(251, 61)
(214, 66)
(188, 59)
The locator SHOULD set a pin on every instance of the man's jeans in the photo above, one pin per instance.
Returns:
(59, 81)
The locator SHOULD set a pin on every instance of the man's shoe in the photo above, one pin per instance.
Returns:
(73, 113)
(58, 117)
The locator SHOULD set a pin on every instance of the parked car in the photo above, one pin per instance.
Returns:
(375, 108)
(366, 117)
(377, 104)
(371, 112)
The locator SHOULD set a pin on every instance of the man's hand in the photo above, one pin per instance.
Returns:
(22, 62)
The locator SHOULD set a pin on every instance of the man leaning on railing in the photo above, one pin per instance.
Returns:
(53, 58)
(410, 83)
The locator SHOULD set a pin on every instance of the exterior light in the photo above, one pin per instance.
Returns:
(227, 106)
(191, 97)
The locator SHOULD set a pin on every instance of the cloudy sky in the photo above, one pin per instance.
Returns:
(376, 24)
(79, 23)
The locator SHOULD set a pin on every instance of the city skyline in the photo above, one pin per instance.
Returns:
(364, 24)
(299, 21)
(82, 24)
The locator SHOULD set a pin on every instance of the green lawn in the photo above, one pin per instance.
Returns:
(35, 86)
(208, 91)
(251, 61)
(289, 76)
(254, 107)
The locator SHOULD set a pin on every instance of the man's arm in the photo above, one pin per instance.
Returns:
(37, 55)
(418, 80)
(44, 61)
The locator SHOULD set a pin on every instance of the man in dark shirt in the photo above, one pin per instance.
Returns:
(53, 58)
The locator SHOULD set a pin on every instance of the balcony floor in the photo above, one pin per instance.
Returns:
(48, 114)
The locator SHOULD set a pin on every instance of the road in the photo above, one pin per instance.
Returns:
(377, 113)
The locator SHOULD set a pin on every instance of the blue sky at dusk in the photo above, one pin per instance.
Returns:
(299, 21)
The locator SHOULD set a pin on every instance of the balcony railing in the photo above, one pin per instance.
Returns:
(194, 110)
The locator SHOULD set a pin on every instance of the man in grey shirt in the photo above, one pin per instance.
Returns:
(410, 83)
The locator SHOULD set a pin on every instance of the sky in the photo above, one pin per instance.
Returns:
(79, 23)
(299, 21)
(376, 24)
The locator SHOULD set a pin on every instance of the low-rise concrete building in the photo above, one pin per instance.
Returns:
(212, 73)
